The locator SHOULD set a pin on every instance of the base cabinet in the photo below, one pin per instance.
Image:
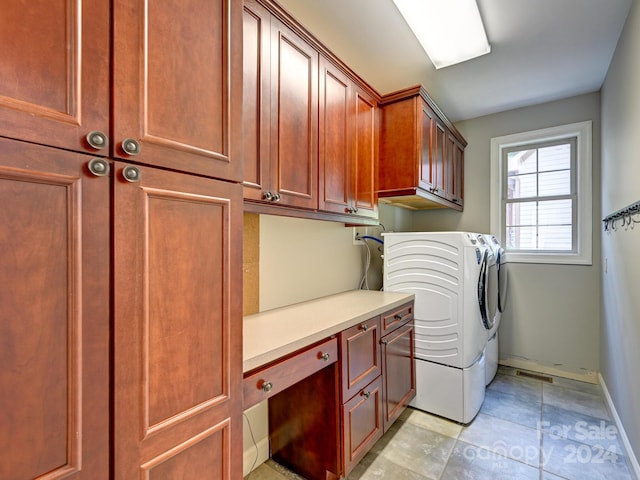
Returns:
(324, 424)
(361, 423)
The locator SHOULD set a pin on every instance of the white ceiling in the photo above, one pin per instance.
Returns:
(541, 50)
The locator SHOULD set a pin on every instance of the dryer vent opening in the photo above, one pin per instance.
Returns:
(536, 376)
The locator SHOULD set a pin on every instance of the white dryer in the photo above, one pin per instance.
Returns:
(447, 273)
(497, 297)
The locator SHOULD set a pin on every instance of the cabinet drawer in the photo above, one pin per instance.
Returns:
(360, 356)
(266, 382)
(362, 423)
(394, 318)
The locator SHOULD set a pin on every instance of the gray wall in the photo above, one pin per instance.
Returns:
(552, 318)
(620, 328)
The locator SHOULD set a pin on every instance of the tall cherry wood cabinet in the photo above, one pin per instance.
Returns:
(120, 331)
(55, 315)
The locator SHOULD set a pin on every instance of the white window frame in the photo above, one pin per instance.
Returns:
(582, 132)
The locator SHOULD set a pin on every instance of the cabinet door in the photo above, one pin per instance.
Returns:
(177, 326)
(360, 356)
(438, 161)
(54, 320)
(427, 153)
(256, 100)
(399, 372)
(362, 424)
(294, 118)
(365, 163)
(178, 84)
(334, 139)
(457, 182)
(54, 73)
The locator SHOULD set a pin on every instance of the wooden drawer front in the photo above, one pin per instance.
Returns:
(393, 319)
(360, 356)
(265, 383)
(362, 423)
(399, 372)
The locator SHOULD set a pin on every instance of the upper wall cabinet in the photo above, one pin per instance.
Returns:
(421, 153)
(175, 97)
(310, 129)
(347, 144)
(280, 112)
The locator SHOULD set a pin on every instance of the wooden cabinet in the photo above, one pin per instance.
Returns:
(399, 374)
(347, 145)
(281, 109)
(310, 128)
(335, 139)
(177, 330)
(421, 162)
(175, 100)
(323, 416)
(365, 157)
(54, 74)
(361, 405)
(54, 320)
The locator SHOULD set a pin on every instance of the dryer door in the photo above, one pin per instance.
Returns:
(502, 280)
(484, 296)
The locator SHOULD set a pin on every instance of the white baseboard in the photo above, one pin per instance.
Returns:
(632, 460)
(253, 457)
(588, 376)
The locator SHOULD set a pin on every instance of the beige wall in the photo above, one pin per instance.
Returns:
(552, 318)
(620, 329)
(305, 259)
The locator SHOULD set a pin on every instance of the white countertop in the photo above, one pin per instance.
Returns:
(269, 335)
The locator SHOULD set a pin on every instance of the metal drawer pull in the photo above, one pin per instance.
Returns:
(325, 357)
(267, 387)
(366, 394)
(398, 316)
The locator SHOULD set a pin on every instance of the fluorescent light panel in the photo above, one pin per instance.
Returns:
(450, 31)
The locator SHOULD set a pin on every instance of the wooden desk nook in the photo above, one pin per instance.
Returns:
(337, 372)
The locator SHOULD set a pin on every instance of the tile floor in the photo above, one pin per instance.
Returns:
(527, 429)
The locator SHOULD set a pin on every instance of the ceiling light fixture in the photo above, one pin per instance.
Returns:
(450, 31)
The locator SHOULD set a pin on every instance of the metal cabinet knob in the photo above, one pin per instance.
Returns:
(366, 394)
(97, 140)
(267, 387)
(276, 197)
(325, 357)
(364, 327)
(131, 174)
(99, 167)
(130, 146)
(267, 195)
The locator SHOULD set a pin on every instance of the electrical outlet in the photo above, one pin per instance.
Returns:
(357, 232)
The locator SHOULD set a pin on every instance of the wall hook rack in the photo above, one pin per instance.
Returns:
(625, 215)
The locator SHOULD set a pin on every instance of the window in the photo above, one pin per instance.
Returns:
(541, 194)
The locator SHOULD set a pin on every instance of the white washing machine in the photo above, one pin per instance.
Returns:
(496, 301)
(447, 273)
